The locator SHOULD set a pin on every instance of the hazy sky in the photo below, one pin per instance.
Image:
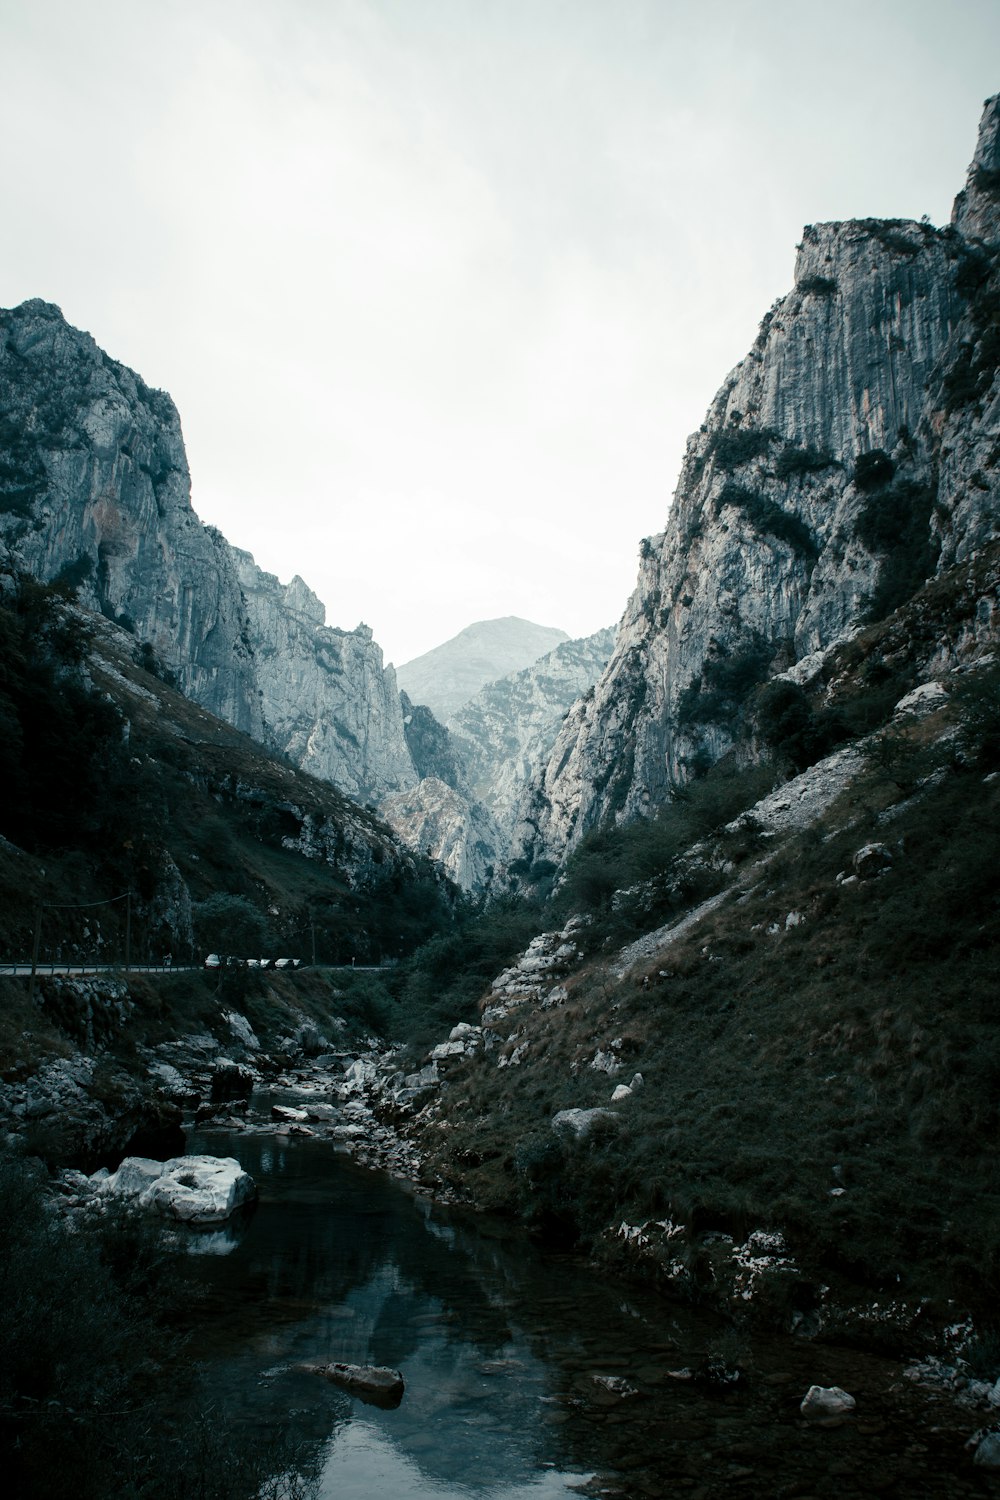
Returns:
(441, 286)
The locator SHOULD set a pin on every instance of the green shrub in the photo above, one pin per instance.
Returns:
(726, 681)
(873, 470)
(894, 234)
(808, 460)
(817, 286)
(895, 522)
(973, 370)
(790, 727)
(60, 733)
(227, 923)
(978, 700)
(769, 519)
(621, 857)
(22, 473)
(73, 575)
(733, 446)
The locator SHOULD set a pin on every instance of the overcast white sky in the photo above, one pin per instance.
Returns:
(441, 286)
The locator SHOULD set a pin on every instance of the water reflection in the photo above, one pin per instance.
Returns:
(523, 1375)
(220, 1239)
(365, 1465)
(340, 1265)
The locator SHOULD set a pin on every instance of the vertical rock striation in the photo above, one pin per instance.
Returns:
(507, 729)
(326, 698)
(850, 454)
(95, 489)
(475, 770)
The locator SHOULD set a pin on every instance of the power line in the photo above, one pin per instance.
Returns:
(81, 906)
(78, 906)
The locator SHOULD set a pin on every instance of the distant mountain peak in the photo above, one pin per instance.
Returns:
(449, 675)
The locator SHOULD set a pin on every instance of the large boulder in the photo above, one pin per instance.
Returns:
(193, 1189)
(987, 1449)
(373, 1383)
(580, 1122)
(231, 1081)
(871, 860)
(827, 1405)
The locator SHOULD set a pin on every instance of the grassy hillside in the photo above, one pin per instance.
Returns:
(820, 1049)
(118, 783)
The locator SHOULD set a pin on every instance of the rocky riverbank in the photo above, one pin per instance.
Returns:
(390, 1112)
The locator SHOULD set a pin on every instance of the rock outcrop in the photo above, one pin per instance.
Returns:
(95, 490)
(508, 728)
(193, 1189)
(448, 825)
(376, 1384)
(850, 455)
(475, 769)
(326, 698)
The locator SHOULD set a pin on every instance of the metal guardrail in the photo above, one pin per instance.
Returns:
(55, 966)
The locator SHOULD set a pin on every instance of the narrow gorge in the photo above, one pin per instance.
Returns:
(659, 969)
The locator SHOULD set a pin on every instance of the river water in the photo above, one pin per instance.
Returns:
(514, 1361)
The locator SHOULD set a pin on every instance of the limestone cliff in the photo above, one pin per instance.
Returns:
(506, 731)
(475, 769)
(448, 825)
(327, 701)
(94, 488)
(851, 454)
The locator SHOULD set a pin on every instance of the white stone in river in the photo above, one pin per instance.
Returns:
(826, 1403)
(194, 1189)
(987, 1453)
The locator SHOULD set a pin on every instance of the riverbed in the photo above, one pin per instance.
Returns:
(528, 1377)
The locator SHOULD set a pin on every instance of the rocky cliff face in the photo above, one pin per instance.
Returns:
(448, 825)
(327, 701)
(506, 731)
(474, 770)
(94, 487)
(851, 454)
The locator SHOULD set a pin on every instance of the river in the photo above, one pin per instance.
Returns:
(528, 1377)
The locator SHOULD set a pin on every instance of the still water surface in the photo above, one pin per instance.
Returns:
(506, 1354)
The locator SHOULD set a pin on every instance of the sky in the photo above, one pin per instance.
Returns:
(440, 287)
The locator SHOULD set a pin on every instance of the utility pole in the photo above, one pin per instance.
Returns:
(128, 930)
(34, 953)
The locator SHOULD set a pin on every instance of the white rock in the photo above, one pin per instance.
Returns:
(580, 1122)
(241, 1028)
(922, 700)
(826, 1403)
(289, 1115)
(987, 1453)
(360, 1073)
(448, 1049)
(135, 1175)
(621, 1092)
(168, 1077)
(195, 1189)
